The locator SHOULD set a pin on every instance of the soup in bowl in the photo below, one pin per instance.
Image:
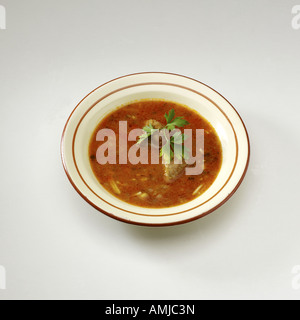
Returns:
(155, 149)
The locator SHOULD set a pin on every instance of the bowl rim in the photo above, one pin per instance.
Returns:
(201, 215)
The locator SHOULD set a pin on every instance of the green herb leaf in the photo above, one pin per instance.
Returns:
(167, 151)
(178, 153)
(169, 117)
(143, 137)
(186, 153)
(177, 122)
(178, 138)
(148, 128)
(148, 131)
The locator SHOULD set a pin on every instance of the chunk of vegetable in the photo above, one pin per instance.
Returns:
(114, 186)
(197, 189)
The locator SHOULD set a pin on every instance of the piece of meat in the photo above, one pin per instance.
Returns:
(173, 171)
(155, 141)
(155, 124)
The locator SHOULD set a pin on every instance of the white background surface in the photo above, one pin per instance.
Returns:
(54, 245)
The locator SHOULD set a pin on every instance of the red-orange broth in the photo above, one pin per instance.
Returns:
(144, 184)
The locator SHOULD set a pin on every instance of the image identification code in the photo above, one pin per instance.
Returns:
(167, 310)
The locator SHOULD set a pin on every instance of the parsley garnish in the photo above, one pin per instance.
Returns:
(177, 122)
(173, 147)
(148, 131)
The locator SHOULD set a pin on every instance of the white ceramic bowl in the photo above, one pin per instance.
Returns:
(206, 101)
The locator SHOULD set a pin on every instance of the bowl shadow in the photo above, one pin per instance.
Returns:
(209, 223)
